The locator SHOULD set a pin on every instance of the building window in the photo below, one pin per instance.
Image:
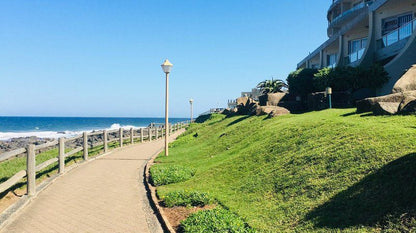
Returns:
(331, 60)
(356, 49)
(393, 23)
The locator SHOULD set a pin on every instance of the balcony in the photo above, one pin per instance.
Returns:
(399, 34)
(349, 13)
(354, 57)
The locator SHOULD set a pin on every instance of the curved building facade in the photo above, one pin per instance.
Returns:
(364, 32)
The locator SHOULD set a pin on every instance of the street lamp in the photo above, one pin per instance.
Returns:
(329, 93)
(191, 101)
(166, 67)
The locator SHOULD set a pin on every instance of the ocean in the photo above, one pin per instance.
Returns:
(55, 127)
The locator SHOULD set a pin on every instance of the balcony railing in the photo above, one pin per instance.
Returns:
(399, 34)
(353, 57)
(355, 8)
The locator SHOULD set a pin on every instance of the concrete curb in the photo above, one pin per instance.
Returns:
(154, 201)
(153, 198)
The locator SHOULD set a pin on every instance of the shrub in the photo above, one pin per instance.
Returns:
(301, 81)
(168, 174)
(187, 198)
(346, 78)
(215, 220)
(350, 78)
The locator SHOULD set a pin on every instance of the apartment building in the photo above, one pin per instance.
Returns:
(364, 32)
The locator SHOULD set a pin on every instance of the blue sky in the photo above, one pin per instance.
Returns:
(102, 57)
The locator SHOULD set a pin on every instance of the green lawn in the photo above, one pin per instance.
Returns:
(328, 171)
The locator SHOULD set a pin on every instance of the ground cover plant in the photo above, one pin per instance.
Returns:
(168, 174)
(215, 220)
(328, 171)
(187, 198)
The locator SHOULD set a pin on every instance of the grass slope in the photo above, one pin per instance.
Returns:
(327, 171)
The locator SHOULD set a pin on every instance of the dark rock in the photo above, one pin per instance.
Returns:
(271, 99)
(385, 108)
(409, 108)
(272, 111)
(246, 106)
(407, 82)
(369, 104)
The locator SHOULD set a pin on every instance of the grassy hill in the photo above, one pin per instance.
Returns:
(327, 171)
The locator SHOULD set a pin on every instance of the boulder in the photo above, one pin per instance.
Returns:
(272, 111)
(407, 98)
(407, 82)
(241, 101)
(246, 106)
(271, 99)
(388, 104)
(386, 108)
(409, 108)
(369, 104)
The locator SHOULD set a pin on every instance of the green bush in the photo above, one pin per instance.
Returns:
(301, 81)
(215, 220)
(168, 174)
(305, 81)
(187, 198)
(350, 78)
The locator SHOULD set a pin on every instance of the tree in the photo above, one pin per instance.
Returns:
(272, 86)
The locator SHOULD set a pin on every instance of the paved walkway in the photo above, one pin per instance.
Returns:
(104, 195)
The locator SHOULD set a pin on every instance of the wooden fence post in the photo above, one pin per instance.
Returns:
(105, 140)
(31, 170)
(85, 136)
(131, 136)
(141, 135)
(61, 158)
(149, 132)
(121, 136)
(156, 132)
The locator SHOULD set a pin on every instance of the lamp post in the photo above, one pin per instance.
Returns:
(191, 101)
(166, 67)
(329, 93)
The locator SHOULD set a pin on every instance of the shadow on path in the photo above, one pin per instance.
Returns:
(389, 194)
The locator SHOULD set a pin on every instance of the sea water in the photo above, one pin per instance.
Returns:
(55, 127)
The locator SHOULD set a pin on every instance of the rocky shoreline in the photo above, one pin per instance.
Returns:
(22, 142)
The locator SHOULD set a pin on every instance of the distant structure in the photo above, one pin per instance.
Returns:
(364, 32)
(212, 110)
(254, 94)
(232, 104)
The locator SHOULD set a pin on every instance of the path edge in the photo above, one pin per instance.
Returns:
(154, 201)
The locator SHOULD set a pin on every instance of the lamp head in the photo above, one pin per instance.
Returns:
(166, 66)
(191, 101)
(329, 91)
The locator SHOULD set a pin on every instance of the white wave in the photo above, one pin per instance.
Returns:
(5, 136)
(117, 126)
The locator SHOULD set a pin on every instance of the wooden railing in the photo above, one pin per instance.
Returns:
(143, 134)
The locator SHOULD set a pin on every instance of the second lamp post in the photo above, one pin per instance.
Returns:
(167, 66)
(191, 101)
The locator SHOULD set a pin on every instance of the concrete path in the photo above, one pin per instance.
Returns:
(104, 195)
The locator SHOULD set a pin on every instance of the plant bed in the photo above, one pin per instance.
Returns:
(214, 220)
(187, 199)
(169, 174)
(177, 214)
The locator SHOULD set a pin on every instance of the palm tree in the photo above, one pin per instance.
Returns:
(272, 86)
